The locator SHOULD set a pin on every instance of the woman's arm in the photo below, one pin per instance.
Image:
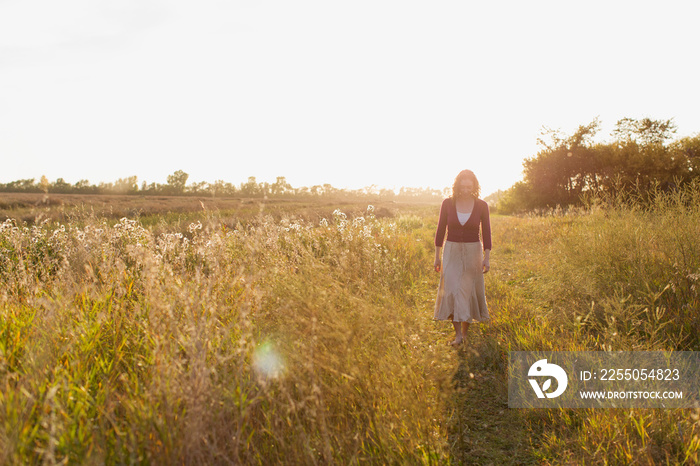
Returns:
(438, 258)
(442, 225)
(486, 227)
(486, 238)
(440, 235)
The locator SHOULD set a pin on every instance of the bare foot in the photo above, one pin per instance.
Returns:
(457, 341)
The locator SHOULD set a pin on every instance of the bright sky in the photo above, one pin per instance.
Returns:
(351, 93)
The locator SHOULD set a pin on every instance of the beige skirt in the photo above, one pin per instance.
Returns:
(461, 296)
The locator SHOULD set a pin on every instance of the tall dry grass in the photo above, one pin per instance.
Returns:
(282, 341)
(620, 275)
(273, 342)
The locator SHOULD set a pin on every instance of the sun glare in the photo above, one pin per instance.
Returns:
(267, 361)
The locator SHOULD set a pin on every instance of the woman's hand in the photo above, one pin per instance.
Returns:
(438, 265)
(486, 265)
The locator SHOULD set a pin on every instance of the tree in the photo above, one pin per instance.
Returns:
(83, 186)
(221, 188)
(60, 186)
(199, 188)
(645, 131)
(177, 182)
(568, 167)
(26, 185)
(518, 198)
(688, 151)
(251, 188)
(126, 185)
(387, 193)
(563, 168)
(44, 183)
(280, 186)
(328, 189)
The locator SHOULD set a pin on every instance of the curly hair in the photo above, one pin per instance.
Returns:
(466, 174)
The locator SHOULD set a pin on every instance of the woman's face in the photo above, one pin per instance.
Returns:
(466, 187)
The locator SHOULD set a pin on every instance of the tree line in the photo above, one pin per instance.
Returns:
(177, 185)
(642, 158)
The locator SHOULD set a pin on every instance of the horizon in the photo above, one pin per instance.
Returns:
(140, 183)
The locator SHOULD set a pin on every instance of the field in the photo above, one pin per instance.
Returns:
(171, 330)
(34, 208)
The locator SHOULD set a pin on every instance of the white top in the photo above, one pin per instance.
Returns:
(463, 217)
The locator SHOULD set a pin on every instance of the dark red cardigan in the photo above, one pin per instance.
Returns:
(467, 233)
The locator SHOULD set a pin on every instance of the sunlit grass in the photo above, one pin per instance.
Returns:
(255, 338)
(277, 341)
(623, 277)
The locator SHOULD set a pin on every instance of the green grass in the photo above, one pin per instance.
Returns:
(251, 338)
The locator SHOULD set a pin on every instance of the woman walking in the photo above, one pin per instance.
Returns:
(461, 297)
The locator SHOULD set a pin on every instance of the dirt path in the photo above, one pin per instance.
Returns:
(482, 429)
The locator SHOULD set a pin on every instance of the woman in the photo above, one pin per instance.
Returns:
(461, 296)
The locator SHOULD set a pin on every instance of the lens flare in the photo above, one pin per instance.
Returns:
(267, 362)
